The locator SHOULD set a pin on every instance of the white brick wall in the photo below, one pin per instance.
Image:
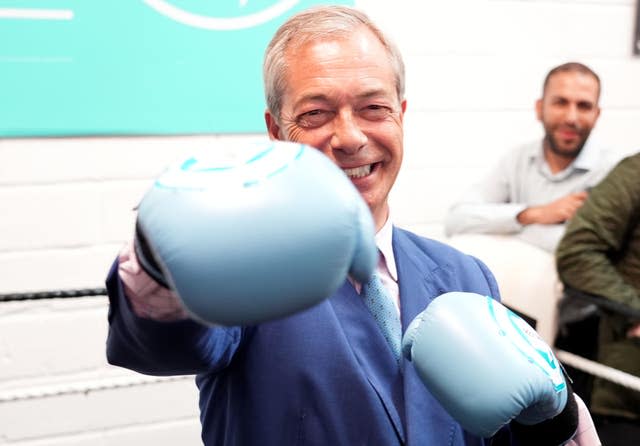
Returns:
(474, 70)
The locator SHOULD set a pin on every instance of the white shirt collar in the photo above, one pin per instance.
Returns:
(589, 157)
(384, 242)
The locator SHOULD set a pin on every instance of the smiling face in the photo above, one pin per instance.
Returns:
(341, 98)
(568, 111)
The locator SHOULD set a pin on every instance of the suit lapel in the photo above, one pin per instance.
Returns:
(416, 416)
(421, 280)
(371, 351)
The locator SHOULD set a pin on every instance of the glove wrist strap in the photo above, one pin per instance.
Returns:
(554, 431)
(146, 258)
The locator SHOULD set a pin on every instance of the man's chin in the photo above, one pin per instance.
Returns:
(566, 150)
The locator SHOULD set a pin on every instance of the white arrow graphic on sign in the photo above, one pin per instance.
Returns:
(219, 23)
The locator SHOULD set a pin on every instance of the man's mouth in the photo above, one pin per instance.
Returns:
(358, 172)
(569, 133)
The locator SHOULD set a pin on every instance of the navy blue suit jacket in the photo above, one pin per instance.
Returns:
(322, 377)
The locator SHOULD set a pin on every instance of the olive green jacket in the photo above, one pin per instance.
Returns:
(600, 254)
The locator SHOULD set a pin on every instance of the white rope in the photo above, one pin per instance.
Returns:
(594, 368)
(600, 370)
(85, 387)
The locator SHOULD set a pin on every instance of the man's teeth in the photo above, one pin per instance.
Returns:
(358, 172)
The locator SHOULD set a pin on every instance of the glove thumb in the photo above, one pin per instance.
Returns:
(365, 256)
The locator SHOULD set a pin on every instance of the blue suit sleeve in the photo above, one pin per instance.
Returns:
(491, 280)
(163, 348)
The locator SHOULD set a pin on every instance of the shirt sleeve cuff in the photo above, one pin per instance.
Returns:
(148, 298)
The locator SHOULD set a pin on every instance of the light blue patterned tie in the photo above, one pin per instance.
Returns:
(384, 311)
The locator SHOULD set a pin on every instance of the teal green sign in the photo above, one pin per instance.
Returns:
(135, 67)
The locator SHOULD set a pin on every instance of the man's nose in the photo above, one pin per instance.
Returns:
(571, 115)
(347, 133)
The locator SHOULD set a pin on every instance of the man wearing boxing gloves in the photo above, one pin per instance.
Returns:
(227, 288)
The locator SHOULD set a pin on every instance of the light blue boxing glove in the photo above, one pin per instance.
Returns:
(255, 232)
(485, 365)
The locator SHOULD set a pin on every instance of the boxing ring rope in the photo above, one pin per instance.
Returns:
(78, 387)
(599, 370)
(593, 368)
(57, 294)
(85, 387)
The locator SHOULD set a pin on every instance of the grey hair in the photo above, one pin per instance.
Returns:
(313, 24)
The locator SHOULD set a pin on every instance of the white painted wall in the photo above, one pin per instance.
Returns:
(474, 70)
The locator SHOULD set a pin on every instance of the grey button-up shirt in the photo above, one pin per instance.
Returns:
(522, 179)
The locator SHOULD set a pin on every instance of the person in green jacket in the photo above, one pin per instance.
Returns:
(600, 254)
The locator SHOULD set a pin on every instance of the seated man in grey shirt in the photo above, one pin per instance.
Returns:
(536, 188)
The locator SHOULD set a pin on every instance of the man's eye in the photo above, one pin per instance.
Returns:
(313, 118)
(585, 106)
(375, 112)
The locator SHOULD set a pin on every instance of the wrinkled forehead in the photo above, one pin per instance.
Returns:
(357, 64)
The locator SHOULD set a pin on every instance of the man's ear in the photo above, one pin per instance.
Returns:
(539, 109)
(272, 125)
